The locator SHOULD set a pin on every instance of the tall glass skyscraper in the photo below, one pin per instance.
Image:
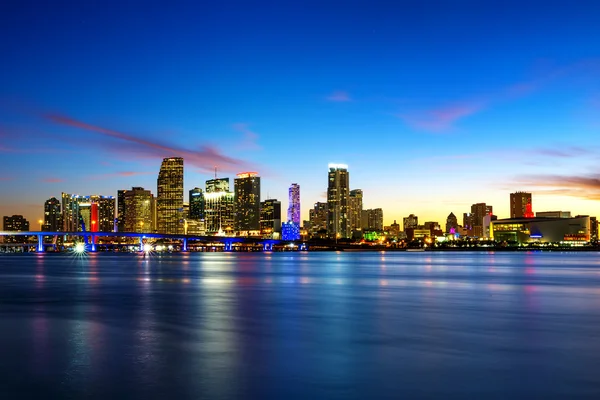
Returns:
(247, 201)
(338, 218)
(52, 215)
(218, 207)
(169, 199)
(294, 204)
(196, 204)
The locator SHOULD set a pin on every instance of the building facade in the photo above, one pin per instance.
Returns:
(451, 223)
(138, 211)
(218, 207)
(374, 219)
(247, 201)
(318, 219)
(338, 194)
(169, 198)
(52, 215)
(478, 211)
(544, 230)
(356, 208)
(520, 205)
(196, 210)
(293, 214)
(270, 218)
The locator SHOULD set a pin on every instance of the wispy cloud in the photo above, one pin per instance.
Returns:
(581, 186)
(442, 119)
(205, 157)
(562, 152)
(339, 96)
(250, 140)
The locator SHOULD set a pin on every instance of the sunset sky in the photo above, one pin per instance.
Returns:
(433, 105)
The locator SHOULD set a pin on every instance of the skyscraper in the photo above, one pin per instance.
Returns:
(103, 213)
(247, 201)
(374, 219)
(52, 215)
(520, 205)
(138, 210)
(14, 224)
(294, 204)
(218, 206)
(121, 210)
(478, 211)
(451, 223)
(270, 217)
(318, 218)
(356, 208)
(338, 221)
(410, 222)
(169, 199)
(196, 204)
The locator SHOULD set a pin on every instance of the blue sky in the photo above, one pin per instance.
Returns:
(433, 105)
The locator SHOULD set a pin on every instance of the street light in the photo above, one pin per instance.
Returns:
(41, 222)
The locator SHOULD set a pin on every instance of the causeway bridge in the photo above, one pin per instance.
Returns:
(184, 242)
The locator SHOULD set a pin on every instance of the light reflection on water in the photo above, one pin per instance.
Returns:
(300, 325)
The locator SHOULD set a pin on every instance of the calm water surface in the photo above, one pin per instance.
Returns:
(300, 325)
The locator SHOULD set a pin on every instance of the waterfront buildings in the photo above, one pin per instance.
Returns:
(138, 204)
(52, 215)
(15, 223)
(290, 231)
(338, 220)
(451, 223)
(374, 219)
(121, 210)
(356, 209)
(409, 224)
(247, 202)
(270, 218)
(294, 204)
(169, 199)
(520, 205)
(90, 213)
(544, 230)
(218, 207)
(318, 219)
(478, 211)
(196, 204)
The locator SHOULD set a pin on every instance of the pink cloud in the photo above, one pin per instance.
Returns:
(441, 119)
(204, 158)
(250, 141)
(339, 96)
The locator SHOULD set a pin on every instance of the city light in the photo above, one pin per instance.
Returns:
(79, 248)
(147, 248)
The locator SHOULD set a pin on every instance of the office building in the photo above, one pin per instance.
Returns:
(451, 223)
(290, 231)
(138, 210)
(593, 229)
(121, 210)
(270, 218)
(520, 205)
(169, 198)
(356, 208)
(338, 219)
(52, 215)
(247, 202)
(318, 219)
(294, 204)
(196, 210)
(374, 218)
(15, 223)
(103, 213)
(87, 213)
(478, 211)
(218, 207)
(409, 224)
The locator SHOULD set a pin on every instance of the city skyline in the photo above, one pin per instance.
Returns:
(420, 102)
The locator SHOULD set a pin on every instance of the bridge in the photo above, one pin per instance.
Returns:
(229, 243)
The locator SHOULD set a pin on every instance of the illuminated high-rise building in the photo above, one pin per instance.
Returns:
(318, 219)
(15, 223)
(196, 211)
(520, 205)
(294, 204)
(270, 217)
(138, 210)
(90, 213)
(247, 201)
(69, 213)
(478, 211)
(374, 219)
(218, 207)
(169, 199)
(103, 212)
(356, 208)
(52, 215)
(338, 194)
(121, 211)
(451, 223)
